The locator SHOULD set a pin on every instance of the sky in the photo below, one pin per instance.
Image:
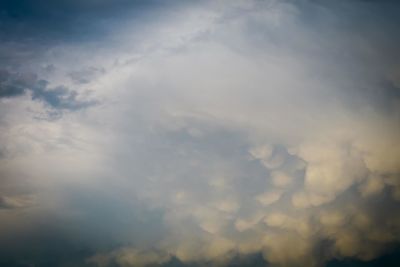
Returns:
(150, 133)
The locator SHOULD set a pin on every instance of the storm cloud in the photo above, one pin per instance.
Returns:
(220, 133)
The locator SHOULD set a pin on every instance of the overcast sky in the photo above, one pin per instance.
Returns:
(259, 133)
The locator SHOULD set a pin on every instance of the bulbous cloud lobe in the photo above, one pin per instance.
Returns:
(247, 132)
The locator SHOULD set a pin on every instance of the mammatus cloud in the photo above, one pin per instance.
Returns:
(258, 133)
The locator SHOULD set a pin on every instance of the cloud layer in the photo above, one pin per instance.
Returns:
(258, 133)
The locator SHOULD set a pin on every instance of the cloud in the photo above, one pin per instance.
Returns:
(59, 97)
(15, 84)
(15, 202)
(131, 257)
(225, 130)
(86, 75)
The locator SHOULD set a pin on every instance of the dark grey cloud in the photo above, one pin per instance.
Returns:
(69, 21)
(59, 98)
(95, 221)
(15, 84)
(391, 259)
